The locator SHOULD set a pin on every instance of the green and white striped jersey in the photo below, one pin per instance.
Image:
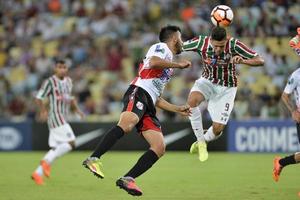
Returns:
(59, 94)
(218, 69)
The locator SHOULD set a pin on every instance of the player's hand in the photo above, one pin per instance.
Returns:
(237, 60)
(43, 115)
(296, 116)
(184, 110)
(184, 64)
(81, 114)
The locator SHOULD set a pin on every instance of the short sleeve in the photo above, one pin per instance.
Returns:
(193, 44)
(242, 50)
(291, 84)
(45, 89)
(159, 50)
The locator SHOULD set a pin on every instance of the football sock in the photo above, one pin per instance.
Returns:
(60, 150)
(196, 122)
(39, 170)
(110, 138)
(144, 163)
(288, 160)
(210, 136)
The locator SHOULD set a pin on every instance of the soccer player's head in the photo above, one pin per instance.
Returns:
(60, 69)
(172, 35)
(218, 39)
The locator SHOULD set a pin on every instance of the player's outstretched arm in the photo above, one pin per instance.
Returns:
(42, 108)
(255, 61)
(76, 108)
(158, 63)
(286, 99)
(184, 110)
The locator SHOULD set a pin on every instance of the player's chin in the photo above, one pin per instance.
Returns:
(179, 51)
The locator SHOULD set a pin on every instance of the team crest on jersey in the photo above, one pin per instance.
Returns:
(158, 49)
(139, 105)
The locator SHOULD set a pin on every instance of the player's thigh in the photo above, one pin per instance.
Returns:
(135, 106)
(156, 141)
(128, 120)
(218, 127)
(195, 98)
(221, 105)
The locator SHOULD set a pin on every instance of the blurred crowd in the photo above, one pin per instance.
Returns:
(103, 41)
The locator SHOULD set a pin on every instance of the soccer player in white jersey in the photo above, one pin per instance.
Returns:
(217, 84)
(140, 100)
(292, 87)
(57, 89)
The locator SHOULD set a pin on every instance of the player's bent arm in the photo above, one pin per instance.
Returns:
(165, 105)
(158, 63)
(255, 61)
(75, 107)
(40, 104)
(286, 99)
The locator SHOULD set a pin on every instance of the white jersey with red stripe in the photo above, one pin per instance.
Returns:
(293, 86)
(154, 80)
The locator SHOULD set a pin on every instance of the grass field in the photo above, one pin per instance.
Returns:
(177, 175)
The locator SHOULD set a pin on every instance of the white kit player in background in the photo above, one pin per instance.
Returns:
(292, 87)
(57, 89)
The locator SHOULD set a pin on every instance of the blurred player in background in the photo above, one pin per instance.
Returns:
(292, 86)
(140, 100)
(217, 84)
(57, 89)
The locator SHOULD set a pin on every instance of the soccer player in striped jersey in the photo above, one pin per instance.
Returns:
(57, 89)
(217, 84)
(292, 87)
(140, 100)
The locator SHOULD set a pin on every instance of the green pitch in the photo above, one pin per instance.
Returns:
(178, 175)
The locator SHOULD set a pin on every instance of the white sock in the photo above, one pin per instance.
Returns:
(210, 136)
(196, 122)
(57, 152)
(39, 170)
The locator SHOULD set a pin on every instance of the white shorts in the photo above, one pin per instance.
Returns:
(220, 99)
(60, 135)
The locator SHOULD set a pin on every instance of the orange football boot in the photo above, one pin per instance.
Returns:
(37, 178)
(46, 168)
(276, 168)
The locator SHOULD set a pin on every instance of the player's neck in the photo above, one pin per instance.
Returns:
(171, 47)
(58, 77)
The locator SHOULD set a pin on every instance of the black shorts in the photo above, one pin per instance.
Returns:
(138, 101)
(298, 131)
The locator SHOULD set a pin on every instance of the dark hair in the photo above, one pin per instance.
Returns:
(218, 33)
(167, 31)
(60, 61)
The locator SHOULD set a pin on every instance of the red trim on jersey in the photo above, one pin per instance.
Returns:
(225, 68)
(204, 50)
(57, 101)
(150, 73)
(58, 104)
(148, 124)
(134, 81)
(245, 47)
(131, 100)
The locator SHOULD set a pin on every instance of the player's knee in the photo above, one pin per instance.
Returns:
(72, 144)
(159, 149)
(218, 129)
(127, 128)
(193, 102)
